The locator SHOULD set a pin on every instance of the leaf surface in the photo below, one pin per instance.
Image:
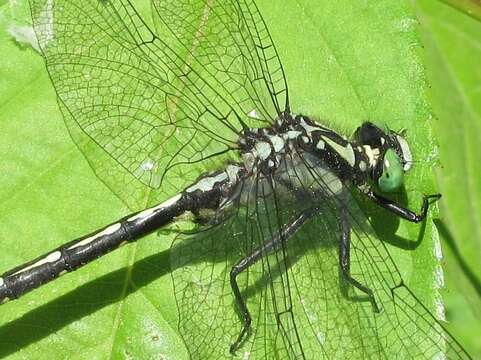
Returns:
(453, 50)
(345, 62)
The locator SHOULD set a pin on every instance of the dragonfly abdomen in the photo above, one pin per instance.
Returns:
(206, 192)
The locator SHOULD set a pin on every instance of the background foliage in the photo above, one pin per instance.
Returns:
(452, 40)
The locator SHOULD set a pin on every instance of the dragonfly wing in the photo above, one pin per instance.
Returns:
(228, 42)
(209, 317)
(300, 303)
(407, 326)
(128, 99)
(293, 293)
(404, 328)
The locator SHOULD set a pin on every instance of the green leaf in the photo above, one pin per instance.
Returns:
(345, 62)
(453, 50)
(469, 7)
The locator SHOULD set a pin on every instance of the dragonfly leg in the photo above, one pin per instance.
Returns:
(250, 260)
(345, 258)
(401, 211)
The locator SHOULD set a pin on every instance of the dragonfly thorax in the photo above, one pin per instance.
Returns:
(263, 149)
(374, 153)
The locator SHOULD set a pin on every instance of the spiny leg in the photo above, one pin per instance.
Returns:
(401, 211)
(287, 232)
(345, 259)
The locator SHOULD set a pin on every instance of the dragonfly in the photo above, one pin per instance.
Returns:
(282, 262)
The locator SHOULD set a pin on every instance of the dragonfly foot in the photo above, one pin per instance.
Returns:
(235, 346)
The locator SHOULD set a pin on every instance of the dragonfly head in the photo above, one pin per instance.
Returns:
(389, 155)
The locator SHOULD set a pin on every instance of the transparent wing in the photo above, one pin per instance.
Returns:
(403, 329)
(137, 108)
(301, 306)
(210, 320)
(230, 42)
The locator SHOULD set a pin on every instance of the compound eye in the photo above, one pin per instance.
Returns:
(406, 153)
(392, 177)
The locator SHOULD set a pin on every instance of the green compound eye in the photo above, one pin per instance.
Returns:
(392, 172)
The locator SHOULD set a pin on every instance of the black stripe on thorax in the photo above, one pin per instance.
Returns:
(342, 156)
